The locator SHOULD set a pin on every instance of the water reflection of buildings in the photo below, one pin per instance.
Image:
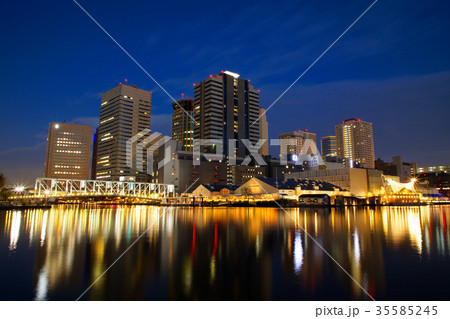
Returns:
(220, 253)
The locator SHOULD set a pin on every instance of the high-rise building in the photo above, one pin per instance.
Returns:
(292, 143)
(328, 146)
(124, 113)
(263, 132)
(227, 109)
(183, 124)
(68, 151)
(354, 140)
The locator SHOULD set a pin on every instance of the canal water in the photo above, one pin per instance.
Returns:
(389, 253)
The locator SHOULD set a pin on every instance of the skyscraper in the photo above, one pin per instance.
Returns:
(354, 140)
(124, 113)
(225, 108)
(263, 132)
(328, 146)
(293, 143)
(68, 151)
(183, 124)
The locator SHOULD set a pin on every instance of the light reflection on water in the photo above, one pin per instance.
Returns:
(224, 253)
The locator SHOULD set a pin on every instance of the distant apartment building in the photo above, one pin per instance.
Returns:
(68, 151)
(354, 140)
(226, 108)
(405, 171)
(183, 123)
(124, 113)
(263, 132)
(292, 143)
(434, 169)
(328, 146)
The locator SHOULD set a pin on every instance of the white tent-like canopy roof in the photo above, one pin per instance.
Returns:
(397, 186)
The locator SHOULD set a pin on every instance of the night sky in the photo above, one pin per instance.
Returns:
(392, 68)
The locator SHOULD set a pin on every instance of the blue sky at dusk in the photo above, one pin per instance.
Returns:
(392, 68)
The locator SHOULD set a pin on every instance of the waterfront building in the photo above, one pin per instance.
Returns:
(226, 108)
(290, 188)
(210, 190)
(358, 181)
(405, 171)
(124, 113)
(354, 140)
(263, 132)
(68, 151)
(183, 123)
(400, 193)
(328, 146)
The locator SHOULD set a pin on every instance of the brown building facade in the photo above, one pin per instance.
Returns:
(68, 151)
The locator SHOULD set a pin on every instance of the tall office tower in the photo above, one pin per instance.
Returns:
(183, 124)
(124, 113)
(226, 108)
(354, 140)
(263, 132)
(94, 156)
(68, 151)
(293, 143)
(328, 146)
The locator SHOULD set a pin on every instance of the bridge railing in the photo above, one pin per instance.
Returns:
(56, 187)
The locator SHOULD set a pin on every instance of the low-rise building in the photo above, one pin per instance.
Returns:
(290, 188)
(208, 190)
(359, 182)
